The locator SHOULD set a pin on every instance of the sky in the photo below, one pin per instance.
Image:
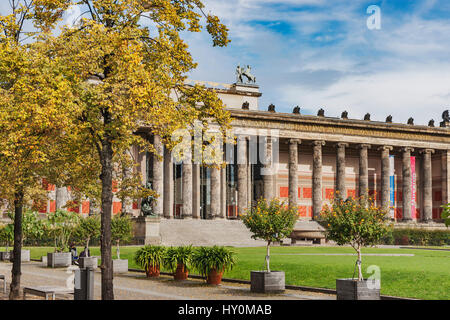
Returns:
(321, 54)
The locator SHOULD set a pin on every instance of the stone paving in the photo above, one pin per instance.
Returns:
(135, 286)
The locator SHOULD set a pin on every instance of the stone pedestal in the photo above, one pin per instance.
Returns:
(146, 230)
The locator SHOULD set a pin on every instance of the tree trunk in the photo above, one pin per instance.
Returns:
(118, 250)
(268, 257)
(17, 252)
(360, 276)
(105, 237)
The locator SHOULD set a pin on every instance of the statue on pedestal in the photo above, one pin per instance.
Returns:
(147, 203)
(240, 73)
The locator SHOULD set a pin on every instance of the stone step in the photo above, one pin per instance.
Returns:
(206, 233)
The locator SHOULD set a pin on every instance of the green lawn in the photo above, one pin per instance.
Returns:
(426, 275)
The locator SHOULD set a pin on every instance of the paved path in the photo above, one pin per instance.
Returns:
(135, 286)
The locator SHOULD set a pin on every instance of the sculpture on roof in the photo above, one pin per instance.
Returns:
(321, 113)
(446, 116)
(344, 115)
(367, 117)
(389, 119)
(411, 121)
(271, 108)
(240, 73)
(431, 123)
(296, 110)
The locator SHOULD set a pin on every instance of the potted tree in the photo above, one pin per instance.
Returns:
(211, 262)
(272, 222)
(62, 224)
(87, 229)
(358, 223)
(121, 230)
(150, 258)
(6, 237)
(177, 259)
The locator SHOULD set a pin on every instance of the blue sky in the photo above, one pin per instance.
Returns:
(318, 53)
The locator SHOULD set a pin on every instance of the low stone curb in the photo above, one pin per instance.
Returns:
(290, 287)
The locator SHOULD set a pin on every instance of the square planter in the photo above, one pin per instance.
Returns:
(88, 262)
(5, 256)
(120, 265)
(267, 282)
(9, 256)
(351, 289)
(59, 259)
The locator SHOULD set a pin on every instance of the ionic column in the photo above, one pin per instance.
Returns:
(385, 169)
(317, 178)
(215, 192)
(168, 185)
(363, 170)
(267, 171)
(293, 172)
(427, 185)
(158, 172)
(406, 185)
(340, 169)
(187, 186)
(242, 174)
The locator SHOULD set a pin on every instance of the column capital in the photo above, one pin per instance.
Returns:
(385, 148)
(342, 145)
(407, 149)
(318, 143)
(364, 146)
(294, 141)
(427, 151)
(242, 138)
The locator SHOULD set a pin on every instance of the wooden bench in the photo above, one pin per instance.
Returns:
(2, 277)
(46, 291)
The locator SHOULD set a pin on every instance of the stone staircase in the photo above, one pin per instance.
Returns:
(216, 232)
(206, 233)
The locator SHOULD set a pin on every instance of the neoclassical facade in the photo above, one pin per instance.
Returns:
(304, 160)
(300, 159)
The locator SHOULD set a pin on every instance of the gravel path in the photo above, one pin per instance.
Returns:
(135, 286)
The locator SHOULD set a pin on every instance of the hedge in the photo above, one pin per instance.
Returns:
(420, 237)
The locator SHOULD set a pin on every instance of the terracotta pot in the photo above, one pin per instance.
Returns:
(214, 277)
(181, 273)
(152, 271)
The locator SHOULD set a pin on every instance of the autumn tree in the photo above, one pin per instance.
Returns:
(127, 63)
(33, 92)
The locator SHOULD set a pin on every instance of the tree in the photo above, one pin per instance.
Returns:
(270, 221)
(63, 225)
(127, 65)
(446, 214)
(88, 228)
(355, 221)
(121, 230)
(7, 235)
(32, 93)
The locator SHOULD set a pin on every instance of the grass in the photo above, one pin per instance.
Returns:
(426, 275)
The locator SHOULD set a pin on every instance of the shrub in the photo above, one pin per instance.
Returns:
(356, 222)
(150, 256)
(121, 230)
(87, 229)
(178, 255)
(206, 259)
(270, 221)
(418, 237)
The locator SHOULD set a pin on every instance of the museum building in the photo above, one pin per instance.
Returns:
(303, 160)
